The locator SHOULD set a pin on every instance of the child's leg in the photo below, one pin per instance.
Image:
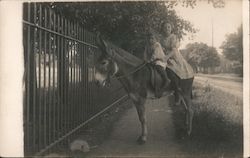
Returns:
(164, 76)
(175, 84)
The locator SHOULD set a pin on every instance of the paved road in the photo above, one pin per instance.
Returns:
(225, 84)
(161, 139)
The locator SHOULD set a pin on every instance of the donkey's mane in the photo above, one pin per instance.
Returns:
(122, 55)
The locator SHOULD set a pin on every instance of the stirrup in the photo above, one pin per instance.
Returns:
(158, 94)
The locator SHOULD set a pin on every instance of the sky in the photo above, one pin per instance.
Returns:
(225, 21)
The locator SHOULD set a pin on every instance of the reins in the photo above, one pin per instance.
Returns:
(112, 55)
(130, 73)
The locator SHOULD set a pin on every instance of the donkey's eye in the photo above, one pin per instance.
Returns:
(104, 62)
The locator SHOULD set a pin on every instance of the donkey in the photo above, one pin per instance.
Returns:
(136, 77)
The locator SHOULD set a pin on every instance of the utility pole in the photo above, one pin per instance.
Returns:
(212, 32)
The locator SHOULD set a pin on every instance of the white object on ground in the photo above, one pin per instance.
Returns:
(79, 145)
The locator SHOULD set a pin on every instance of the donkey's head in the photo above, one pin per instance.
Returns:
(105, 66)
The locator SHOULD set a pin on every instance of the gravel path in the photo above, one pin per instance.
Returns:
(161, 139)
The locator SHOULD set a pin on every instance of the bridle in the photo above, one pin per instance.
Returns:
(112, 56)
(114, 76)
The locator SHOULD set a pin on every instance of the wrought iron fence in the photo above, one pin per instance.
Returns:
(60, 96)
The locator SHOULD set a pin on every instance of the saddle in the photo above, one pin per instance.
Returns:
(156, 79)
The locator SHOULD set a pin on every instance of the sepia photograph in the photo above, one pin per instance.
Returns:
(127, 79)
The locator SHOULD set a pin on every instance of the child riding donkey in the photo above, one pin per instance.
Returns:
(134, 74)
(169, 62)
(154, 54)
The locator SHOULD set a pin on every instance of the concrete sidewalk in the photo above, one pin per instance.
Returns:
(161, 141)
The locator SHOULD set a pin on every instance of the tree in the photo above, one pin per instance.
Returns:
(192, 3)
(124, 23)
(233, 49)
(200, 55)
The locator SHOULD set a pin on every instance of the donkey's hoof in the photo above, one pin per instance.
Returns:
(189, 132)
(141, 140)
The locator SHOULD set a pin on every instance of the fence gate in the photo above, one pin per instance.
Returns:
(60, 94)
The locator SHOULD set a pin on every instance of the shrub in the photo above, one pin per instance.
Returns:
(217, 122)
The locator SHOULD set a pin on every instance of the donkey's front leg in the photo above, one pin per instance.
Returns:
(139, 101)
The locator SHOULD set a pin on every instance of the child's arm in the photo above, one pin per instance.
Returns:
(170, 54)
(173, 48)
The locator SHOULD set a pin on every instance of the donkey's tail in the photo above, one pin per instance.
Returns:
(192, 95)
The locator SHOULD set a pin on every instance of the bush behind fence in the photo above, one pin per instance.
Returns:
(60, 94)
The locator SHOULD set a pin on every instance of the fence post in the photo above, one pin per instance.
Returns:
(60, 64)
(11, 79)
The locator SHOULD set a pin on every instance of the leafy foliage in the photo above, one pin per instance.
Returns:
(192, 3)
(201, 55)
(233, 50)
(125, 23)
(233, 46)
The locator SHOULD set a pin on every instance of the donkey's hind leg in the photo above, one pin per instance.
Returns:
(189, 114)
(187, 101)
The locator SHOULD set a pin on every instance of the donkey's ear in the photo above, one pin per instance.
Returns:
(100, 42)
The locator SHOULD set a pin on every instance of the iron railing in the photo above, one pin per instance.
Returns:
(60, 94)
